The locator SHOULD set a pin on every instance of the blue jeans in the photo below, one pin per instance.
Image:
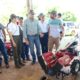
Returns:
(34, 40)
(4, 52)
(25, 52)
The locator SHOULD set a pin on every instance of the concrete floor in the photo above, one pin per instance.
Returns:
(28, 72)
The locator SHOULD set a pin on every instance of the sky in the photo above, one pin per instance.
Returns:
(16, 6)
(64, 5)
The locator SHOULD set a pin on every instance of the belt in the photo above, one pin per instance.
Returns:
(44, 32)
(33, 35)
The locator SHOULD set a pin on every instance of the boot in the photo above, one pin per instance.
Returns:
(17, 65)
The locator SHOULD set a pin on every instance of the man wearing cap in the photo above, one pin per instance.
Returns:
(31, 33)
(14, 33)
(2, 46)
(44, 27)
(54, 31)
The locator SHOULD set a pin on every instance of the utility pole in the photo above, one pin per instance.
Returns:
(29, 5)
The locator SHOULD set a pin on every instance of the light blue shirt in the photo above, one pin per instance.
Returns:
(1, 32)
(31, 28)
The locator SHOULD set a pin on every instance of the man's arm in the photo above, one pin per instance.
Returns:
(25, 32)
(2, 28)
(13, 42)
(4, 34)
(39, 30)
(61, 26)
(11, 35)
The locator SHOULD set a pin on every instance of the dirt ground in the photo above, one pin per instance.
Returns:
(28, 72)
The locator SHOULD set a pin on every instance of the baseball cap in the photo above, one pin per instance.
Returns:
(31, 12)
(12, 16)
(41, 14)
(53, 12)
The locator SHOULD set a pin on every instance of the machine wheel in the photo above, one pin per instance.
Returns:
(75, 67)
(43, 78)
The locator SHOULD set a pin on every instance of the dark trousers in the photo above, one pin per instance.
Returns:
(44, 43)
(25, 52)
(17, 50)
(3, 51)
(34, 40)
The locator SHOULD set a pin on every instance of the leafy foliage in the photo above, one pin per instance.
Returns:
(68, 16)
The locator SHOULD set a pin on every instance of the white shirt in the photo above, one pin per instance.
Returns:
(43, 26)
(14, 28)
(54, 31)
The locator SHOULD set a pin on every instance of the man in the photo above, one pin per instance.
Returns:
(31, 33)
(60, 18)
(44, 27)
(25, 47)
(14, 33)
(2, 46)
(54, 34)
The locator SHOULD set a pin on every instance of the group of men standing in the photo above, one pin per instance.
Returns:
(33, 32)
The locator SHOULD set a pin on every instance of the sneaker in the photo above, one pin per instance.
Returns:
(33, 62)
(0, 70)
(7, 65)
(18, 66)
(22, 64)
(24, 61)
(28, 59)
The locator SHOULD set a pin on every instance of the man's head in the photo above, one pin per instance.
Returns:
(21, 20)
(59, 15)
(13, 18)
(31, 14)
(41, 16)
(53, 14)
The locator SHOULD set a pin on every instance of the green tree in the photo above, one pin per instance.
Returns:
(4, 20)
(53, 9)
(68, 16)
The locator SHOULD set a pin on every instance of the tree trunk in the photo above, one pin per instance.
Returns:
(29, 5)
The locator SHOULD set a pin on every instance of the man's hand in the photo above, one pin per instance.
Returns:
(14, 44)
(5, 39)
(41, 35)
(26, 41)
(62, 34)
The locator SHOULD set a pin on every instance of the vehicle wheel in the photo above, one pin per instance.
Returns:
(43, 78)
(75, 67)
